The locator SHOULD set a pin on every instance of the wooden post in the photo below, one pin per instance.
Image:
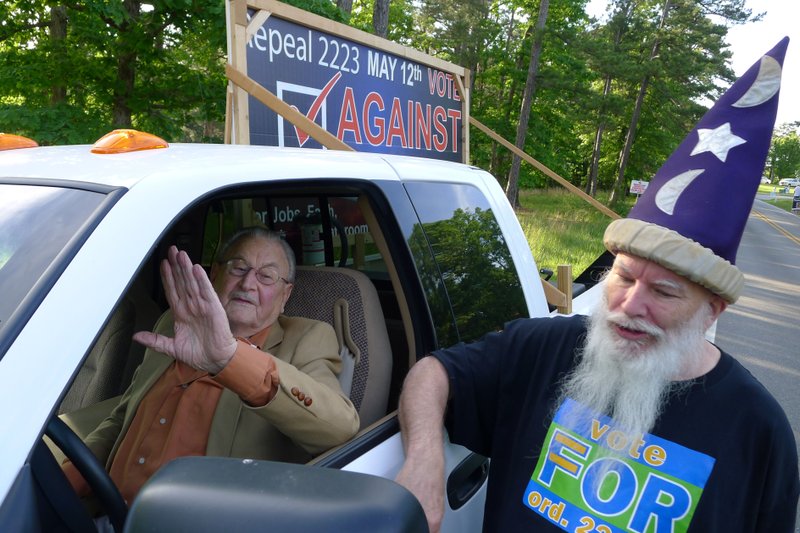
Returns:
(553, 296)
(565, 286)
(238, 60)
(228, 134)
(462, 85)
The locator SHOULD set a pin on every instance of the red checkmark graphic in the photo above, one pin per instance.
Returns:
(302, 136)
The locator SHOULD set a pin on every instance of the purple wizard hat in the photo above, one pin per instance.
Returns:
(692, 215)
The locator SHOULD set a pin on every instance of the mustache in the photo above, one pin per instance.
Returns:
(637, 324)
(240, 295)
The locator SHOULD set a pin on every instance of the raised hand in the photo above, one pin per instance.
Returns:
(203, 338)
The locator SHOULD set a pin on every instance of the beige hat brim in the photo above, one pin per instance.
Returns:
(675, 252)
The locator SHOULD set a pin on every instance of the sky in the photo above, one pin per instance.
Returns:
(748, 42)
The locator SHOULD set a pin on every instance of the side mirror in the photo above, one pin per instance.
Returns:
(223, 494)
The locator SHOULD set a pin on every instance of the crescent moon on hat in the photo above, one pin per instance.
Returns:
(667, 196)
(768, 82)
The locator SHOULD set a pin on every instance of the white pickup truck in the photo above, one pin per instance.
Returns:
(427, 254)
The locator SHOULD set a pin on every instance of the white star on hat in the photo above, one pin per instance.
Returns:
(717, 141)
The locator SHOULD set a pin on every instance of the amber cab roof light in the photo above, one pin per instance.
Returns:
(121, 141)
(9, 141)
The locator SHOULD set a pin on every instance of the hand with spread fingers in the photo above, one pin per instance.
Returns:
(203, 337)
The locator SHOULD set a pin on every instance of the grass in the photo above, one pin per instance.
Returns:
(782, 200)
(563, 229)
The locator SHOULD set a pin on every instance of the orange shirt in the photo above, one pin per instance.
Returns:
(172, 421)
(174, 418)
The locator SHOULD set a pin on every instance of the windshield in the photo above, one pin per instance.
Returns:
(36, 223)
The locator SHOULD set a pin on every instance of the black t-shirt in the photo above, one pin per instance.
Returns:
(721, 457)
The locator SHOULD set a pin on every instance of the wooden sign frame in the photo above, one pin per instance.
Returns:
(243, 29)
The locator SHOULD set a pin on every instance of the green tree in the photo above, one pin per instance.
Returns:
(682, 57)
(609, 58)
(71, 71)
(400, 23)
(784, 153)
(528, 92)
(558, 110)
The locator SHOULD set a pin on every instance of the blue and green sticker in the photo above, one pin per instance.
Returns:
(591, 477)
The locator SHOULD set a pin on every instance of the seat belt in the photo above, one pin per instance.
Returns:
(348, 350)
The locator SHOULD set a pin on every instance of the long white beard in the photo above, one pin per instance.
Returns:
(628, 381)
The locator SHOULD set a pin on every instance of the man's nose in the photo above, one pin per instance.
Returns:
(634, 302)
(249, 280)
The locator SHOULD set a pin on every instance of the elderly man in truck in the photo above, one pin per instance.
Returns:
(225, 372)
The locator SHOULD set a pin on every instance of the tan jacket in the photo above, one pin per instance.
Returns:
(286, 429)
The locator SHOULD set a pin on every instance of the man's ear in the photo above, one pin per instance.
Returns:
(718, 305)
(287, 292)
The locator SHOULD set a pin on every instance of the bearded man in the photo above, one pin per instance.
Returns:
(628, 420)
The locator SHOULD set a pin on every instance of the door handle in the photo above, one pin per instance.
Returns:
(466, 479)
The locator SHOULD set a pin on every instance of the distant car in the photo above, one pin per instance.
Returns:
(765, 180)
(789, 182)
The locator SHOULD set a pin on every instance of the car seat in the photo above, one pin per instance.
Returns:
(108, 369)
(347, 300)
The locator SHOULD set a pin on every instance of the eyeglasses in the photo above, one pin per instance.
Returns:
(265, 276)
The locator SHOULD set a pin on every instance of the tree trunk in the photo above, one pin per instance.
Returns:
(616, 191)
(123, 91)
(345, 6)
(512, 187)
(621, 16)
(501, 156)
(503, 96)
(126, 71)
(591, 182)
(58, 34)
(380, 18)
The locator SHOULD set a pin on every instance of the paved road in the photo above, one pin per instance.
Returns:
(763, 328)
